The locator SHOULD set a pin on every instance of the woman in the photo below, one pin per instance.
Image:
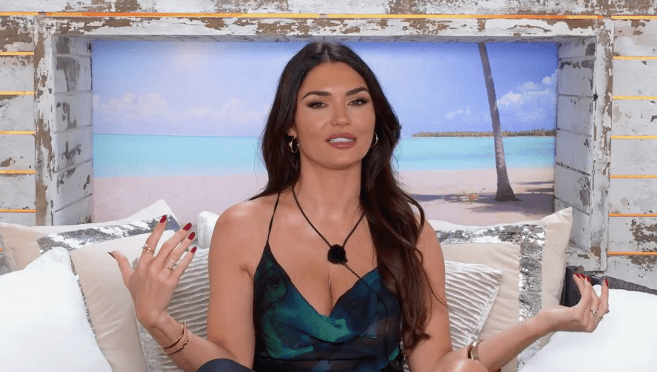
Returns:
(329, 267)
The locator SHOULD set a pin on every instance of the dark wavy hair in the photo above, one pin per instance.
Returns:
(393, 225)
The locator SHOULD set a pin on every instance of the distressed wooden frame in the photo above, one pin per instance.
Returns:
(55, 168)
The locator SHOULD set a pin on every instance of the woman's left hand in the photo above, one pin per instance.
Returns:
(583, 317)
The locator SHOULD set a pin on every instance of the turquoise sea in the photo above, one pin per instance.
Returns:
(148, 156)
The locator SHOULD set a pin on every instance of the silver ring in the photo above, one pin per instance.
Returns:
(595, 313)
(147, 249)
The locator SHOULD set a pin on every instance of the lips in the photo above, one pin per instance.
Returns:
(341, 138)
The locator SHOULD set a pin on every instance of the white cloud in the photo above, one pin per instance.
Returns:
(454, 114)
(509, 99)
(530, 103)
(152, 114)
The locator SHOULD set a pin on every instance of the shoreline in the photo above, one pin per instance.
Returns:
(457, 196)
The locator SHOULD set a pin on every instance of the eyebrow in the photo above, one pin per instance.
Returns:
(326, 94)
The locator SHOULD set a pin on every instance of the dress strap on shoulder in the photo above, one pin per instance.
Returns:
(271, 222)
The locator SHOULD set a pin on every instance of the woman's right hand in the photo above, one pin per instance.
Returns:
(152, 282)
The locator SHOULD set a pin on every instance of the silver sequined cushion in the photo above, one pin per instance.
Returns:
(532, 257)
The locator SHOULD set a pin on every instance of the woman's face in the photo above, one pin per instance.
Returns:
(334, 121)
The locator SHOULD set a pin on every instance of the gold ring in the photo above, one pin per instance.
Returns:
(147, 249)
(173, 264)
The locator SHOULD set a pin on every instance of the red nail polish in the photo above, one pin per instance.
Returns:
(588, 278)
(607, 282)
(187, 227)
(164, 218)
(191, 236)
(578, 275)
(193, 250)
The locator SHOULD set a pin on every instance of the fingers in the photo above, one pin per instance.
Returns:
(604, 298)
(124, 266)
(182, 265)
(172, 243)
(154, 238)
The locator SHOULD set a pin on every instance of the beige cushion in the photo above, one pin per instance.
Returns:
(108, 300)
(19, 243)
(499, 247)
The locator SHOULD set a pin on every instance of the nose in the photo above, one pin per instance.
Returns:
(340, 116)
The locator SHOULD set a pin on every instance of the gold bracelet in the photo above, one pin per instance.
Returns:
(178, 340)
(473, 350)
(183, 345)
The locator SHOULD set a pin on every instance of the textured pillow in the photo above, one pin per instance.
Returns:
(532, 257)
(624, 340)
(19, 243)
(43, 324)
(471, 290)
(189, 303)
(110, 307)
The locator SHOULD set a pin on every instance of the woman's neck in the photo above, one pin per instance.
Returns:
(333, 193)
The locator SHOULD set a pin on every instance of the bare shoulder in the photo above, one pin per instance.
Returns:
(241, 231)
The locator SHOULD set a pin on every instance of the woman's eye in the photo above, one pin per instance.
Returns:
(360, 102)
(315, 104)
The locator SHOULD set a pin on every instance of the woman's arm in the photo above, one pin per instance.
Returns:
(437, 355)
(230, 324)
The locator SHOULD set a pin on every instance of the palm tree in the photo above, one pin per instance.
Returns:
(504, 190)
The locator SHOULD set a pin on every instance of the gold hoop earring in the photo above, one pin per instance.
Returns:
(376, 140)
(294, 145)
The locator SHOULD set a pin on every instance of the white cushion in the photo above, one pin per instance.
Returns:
(43, 325)
(625, 340)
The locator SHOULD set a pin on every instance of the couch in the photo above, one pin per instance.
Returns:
(64, 306)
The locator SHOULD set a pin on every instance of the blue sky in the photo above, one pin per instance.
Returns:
(226, 89)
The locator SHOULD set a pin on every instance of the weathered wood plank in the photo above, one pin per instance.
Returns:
(576, 48)
(580, 235)
(634, 117)
(72, 46)
(635, 77)
(72, 74)
(72, 147)
(16, 113)
(16, 73)
(635, 157)
(630, 234)
(76, 213)
(633, 196)
(575, 76)
(72, 184)
(636, 269)
(574, 151)
(635, 37)
(16, 152)
(16, 33)
(573, 188)
(575, 114)
(17, 191)
(25, 219)
(73, 111)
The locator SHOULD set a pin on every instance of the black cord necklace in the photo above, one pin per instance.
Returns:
(336, 253)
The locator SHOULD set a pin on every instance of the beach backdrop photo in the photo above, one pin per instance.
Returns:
(182, 121)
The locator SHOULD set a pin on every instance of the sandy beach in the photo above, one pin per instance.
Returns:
(459, 196)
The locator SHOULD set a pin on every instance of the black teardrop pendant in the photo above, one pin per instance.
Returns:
(337, 254)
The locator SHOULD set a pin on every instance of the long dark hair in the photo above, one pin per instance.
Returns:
(394, 228)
